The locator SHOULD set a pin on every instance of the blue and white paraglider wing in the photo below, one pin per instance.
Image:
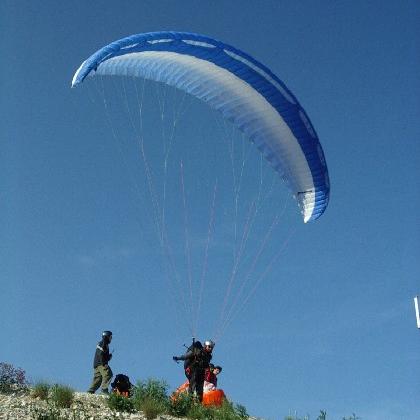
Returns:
(242, 89)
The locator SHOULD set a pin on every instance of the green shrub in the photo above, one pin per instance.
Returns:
(40, 390)
(62, 396)
(227, 411)
(181, 405)
(120, 403)
(12, 379)
(295, 417)
(199, 412)
(154, 389)
(151, 397)
(241, 412)
(322, 415)
(151, 408)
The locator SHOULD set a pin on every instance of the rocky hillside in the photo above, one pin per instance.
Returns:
(18, 406)
(84, 407)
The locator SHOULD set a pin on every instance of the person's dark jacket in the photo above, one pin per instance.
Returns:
(196, 359)
(102, 355)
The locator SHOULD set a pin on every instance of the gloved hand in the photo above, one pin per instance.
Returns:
(175, 358)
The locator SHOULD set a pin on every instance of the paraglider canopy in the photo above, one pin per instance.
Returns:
(242, 89)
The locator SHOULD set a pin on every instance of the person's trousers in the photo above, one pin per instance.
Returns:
(196, 383)
(102, 376)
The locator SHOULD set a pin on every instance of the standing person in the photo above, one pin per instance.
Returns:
(196, 361)
(102, 372)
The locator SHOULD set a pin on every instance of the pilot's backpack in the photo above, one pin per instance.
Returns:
(121, 385)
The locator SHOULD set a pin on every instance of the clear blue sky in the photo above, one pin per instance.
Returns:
(332, 326)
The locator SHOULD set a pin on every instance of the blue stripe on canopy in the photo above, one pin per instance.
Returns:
(307, 176)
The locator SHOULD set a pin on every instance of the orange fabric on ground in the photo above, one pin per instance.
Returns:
(214, 397)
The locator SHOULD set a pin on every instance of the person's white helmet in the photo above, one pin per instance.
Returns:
(209, 343)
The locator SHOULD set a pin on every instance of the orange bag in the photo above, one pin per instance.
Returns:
(210, 398)
(214, 397)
